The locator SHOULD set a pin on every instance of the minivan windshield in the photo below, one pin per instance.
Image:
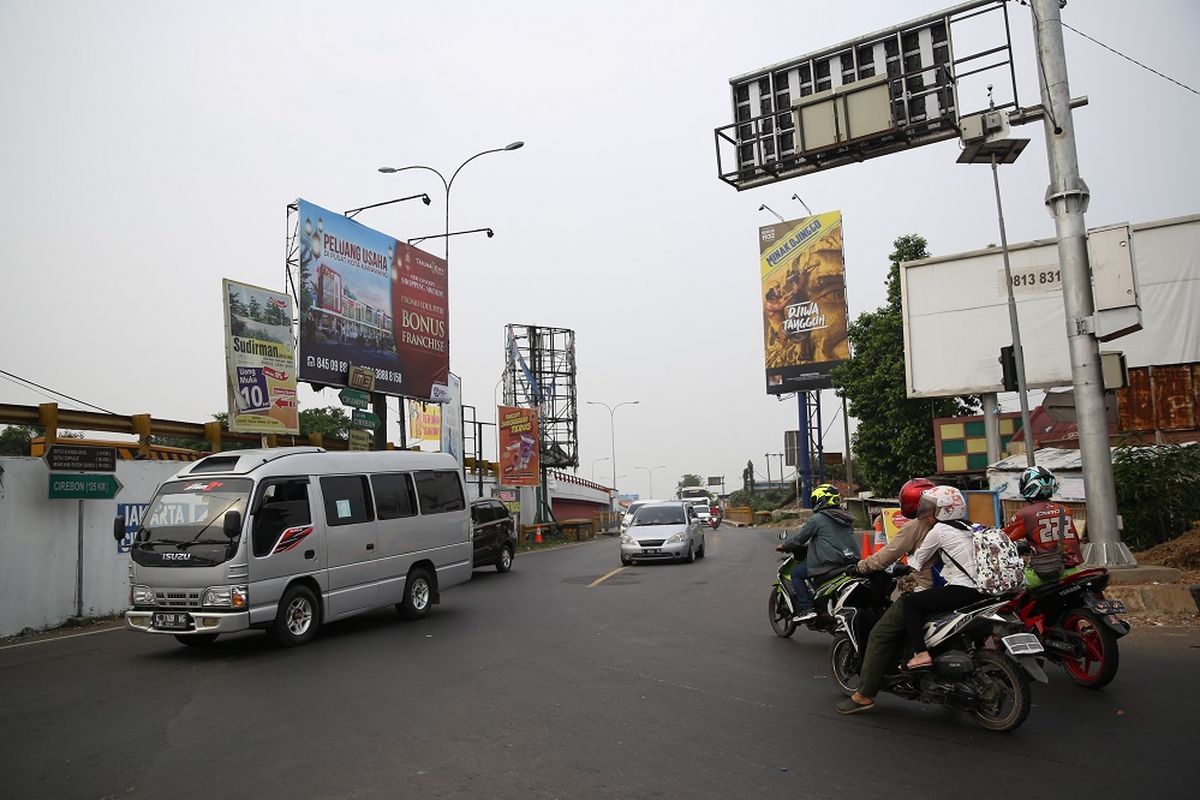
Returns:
(184, 524)
(659, 515)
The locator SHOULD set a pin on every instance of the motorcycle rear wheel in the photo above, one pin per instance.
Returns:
(1101, 657)
(844, 664)
(780, 614)
(1002, 673)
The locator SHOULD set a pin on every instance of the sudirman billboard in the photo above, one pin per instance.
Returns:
(260, 359)
(804, 301)
(371, 301)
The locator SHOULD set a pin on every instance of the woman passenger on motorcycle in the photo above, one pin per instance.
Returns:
(829, 534)
(950, 540)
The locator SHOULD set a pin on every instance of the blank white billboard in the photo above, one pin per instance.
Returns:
(955, 312)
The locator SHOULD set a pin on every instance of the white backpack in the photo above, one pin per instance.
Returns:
(999, 568)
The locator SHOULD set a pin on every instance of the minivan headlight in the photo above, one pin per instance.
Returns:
(141, 596)
(225, 597)
(627, 539)
(679, 537)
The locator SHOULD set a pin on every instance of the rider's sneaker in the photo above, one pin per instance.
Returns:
(804, 615)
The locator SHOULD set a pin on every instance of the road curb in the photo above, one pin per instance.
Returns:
(1174, 597)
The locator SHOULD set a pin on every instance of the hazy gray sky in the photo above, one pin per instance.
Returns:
(150, 149)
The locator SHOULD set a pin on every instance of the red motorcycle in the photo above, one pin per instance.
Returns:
(1078, 627)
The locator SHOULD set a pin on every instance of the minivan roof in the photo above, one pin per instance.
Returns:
(312, 461)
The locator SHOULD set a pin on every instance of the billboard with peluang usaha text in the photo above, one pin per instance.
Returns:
(519, 462)
(260, 359)
(371, 301)
(804, 302)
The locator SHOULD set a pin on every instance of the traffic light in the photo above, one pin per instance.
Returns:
(1008, 368)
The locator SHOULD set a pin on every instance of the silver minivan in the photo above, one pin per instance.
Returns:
(287, 539)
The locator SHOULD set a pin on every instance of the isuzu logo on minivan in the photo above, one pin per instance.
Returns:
(176, 556)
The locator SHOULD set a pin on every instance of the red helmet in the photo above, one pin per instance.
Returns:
(910, 495)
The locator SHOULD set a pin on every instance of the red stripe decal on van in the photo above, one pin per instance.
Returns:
(292, 537)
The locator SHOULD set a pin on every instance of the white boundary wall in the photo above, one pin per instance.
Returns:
(956, 312)
(38, 544)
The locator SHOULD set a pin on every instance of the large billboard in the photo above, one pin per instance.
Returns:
(519, 465)
(955, 311)
(260, 359)
(371, 301)
(804, 301)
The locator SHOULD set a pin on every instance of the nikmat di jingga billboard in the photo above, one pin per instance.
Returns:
(369, 300)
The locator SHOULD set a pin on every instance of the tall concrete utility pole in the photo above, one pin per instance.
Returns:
(1067, 199)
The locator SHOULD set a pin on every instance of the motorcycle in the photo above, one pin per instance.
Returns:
(1078, 627)
(714, 521)
(982, 662)
(867, 593)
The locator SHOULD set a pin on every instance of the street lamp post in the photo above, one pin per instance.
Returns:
(447, 185)
(612, 410)
(650, 473)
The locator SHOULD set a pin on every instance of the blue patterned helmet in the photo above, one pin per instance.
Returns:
(1037, 483)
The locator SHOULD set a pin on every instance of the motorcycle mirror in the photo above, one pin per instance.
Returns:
(119, 528)
(783, 535)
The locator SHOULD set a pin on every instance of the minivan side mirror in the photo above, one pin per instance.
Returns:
(232, 525)
(119, 528)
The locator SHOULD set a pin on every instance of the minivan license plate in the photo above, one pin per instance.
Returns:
(650, 551)
(171, 621)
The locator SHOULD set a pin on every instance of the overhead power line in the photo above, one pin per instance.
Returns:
(1131, 59)
(54, 392)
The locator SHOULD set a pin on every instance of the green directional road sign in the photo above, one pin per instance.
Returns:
(364, 420)
(83, 487)
(354, 398)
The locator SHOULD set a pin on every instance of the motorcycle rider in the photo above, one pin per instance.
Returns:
(1047, 526)
(887, 635)
(950, 540)
(829, 534)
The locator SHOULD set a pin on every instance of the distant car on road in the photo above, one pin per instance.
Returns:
(666, 531)
(494, 533)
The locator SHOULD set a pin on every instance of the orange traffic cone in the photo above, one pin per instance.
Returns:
(537, 539)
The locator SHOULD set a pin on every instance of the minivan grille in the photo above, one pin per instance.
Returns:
(177, 598)
(650, 542)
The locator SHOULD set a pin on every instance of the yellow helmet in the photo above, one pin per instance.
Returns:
(825, 496)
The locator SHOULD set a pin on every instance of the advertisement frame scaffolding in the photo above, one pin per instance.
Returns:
(539, 370)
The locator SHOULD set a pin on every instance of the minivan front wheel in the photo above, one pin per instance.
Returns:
(418, 594)
(297, 619)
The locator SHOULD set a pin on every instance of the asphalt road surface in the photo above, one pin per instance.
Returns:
(661, 681)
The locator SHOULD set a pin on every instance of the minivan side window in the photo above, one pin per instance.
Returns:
(394, 496)
(283, 505)
(347, 500)
(439, 491)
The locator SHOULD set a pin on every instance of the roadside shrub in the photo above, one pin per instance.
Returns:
(1158, 492)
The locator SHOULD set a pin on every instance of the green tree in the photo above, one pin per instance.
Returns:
(689, 479)
(15, 439)
(332, 422)
(748, 478)
(894, 439)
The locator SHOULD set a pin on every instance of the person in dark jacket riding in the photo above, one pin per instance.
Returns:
(829, 535)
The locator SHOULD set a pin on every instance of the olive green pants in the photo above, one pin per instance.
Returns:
(883, 649)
